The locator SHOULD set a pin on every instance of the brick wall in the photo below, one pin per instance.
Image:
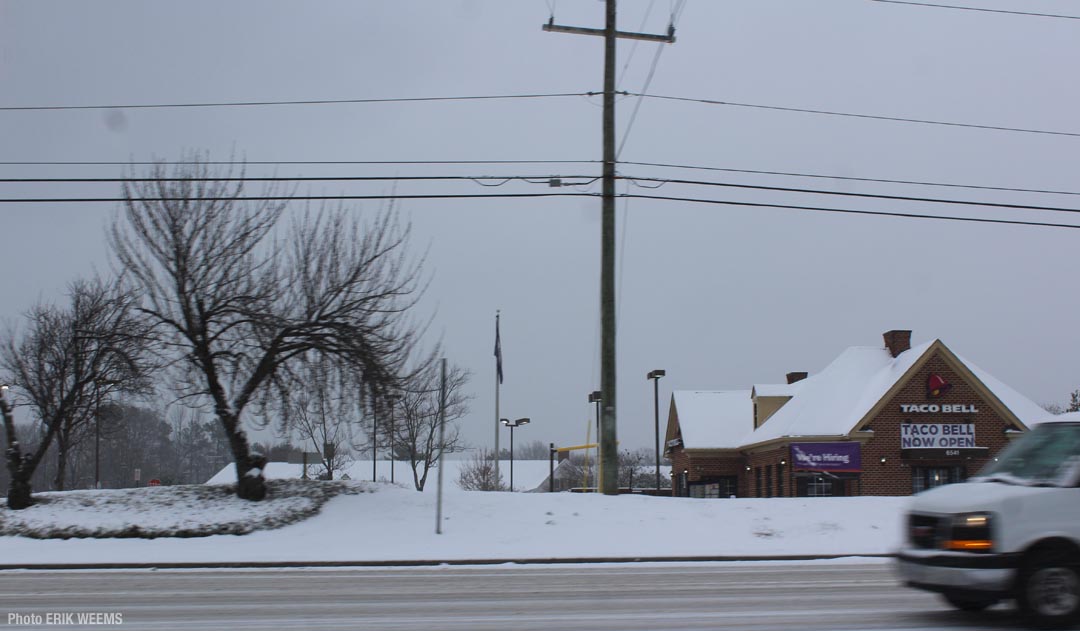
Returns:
(894, 476)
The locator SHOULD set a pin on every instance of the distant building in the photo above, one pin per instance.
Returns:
(890, 420)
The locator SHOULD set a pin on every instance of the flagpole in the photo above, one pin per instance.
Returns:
(498, 351)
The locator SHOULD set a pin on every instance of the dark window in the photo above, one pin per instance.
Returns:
(780, 480)
(768, 481)
(816, 486)
(757, 481)
(923, 478)
(715, 487)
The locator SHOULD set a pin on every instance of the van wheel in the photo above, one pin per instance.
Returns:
(970, 603)
(1050, 589)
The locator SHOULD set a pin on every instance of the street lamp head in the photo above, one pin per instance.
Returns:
(505, 421)
(522, 421)
(594, 396)
(656, 374)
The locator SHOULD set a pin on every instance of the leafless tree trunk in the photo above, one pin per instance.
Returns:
(416, 426)
(325, 412)
(59, 365)
(240, 308)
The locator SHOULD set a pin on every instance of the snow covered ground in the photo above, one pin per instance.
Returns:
(397, 524)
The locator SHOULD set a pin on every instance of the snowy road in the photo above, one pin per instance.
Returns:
(747, 597)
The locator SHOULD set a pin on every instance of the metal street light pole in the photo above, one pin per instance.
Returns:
(374, 436)
(394, 398)
(655, 376)
(97, 427)
(506, 422)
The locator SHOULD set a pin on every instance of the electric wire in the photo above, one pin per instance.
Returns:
(285, 198)
(665, 165)
(896, 119)
(851, 178)
(500, 180)
(811, 191)
(419, 99)
(285, 162)
(849, 211)
(672, 198)
(980, 9)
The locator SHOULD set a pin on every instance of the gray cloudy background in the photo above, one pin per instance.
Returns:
(719, 296)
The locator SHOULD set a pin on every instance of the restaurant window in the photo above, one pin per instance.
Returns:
(768, 481)
(757, 481)
(718, 487)
(815, 486)
(780, 480)
(923, 478)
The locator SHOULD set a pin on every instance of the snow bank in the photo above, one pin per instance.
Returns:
(396, 524)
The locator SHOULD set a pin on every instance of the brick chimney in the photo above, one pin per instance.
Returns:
(792, 377)
(897, 341)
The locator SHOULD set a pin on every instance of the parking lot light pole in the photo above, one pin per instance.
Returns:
(512, 425)
(655, 376)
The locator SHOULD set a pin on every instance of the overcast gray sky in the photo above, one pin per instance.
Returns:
(719, 296)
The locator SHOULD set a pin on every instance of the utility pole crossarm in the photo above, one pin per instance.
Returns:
(578, 30)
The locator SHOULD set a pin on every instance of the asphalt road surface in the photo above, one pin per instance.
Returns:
(743, 597)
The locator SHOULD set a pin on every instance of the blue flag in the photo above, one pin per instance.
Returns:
(498, 351)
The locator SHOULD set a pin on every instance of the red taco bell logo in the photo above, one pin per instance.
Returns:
(937, 386)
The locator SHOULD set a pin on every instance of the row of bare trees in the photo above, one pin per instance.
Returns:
(237, 305)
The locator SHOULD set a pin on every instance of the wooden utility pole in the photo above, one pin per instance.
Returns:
(609, 482)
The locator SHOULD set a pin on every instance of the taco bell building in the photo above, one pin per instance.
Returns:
(886, 420)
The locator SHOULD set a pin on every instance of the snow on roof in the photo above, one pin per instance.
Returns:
(1048, 417)
(1029, 412)
(829, 403)
(714, 419)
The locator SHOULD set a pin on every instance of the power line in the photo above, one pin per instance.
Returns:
(664, 165)
(532, 179)
(811, 191)
(852, 178)
(876, 213)
(983, 10)
(420, 99)
(848, 211)
(546, 180)
(499, 180)
(283, 198)
(897, 119)
(286, 162)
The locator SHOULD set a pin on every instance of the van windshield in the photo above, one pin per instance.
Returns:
(1046, 455)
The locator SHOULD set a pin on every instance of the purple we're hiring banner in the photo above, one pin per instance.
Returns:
(837, 457)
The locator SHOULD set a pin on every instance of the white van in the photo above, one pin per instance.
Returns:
(1012, 532)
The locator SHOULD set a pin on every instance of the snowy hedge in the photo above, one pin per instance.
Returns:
(170, 511)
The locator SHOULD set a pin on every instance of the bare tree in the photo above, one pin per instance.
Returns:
(324, 414)
(479, 473)
(239, 308)
(68, 360)
(416, 426)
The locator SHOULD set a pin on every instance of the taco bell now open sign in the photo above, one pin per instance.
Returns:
(937, 435)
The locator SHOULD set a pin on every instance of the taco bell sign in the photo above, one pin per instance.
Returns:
(836, 457)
